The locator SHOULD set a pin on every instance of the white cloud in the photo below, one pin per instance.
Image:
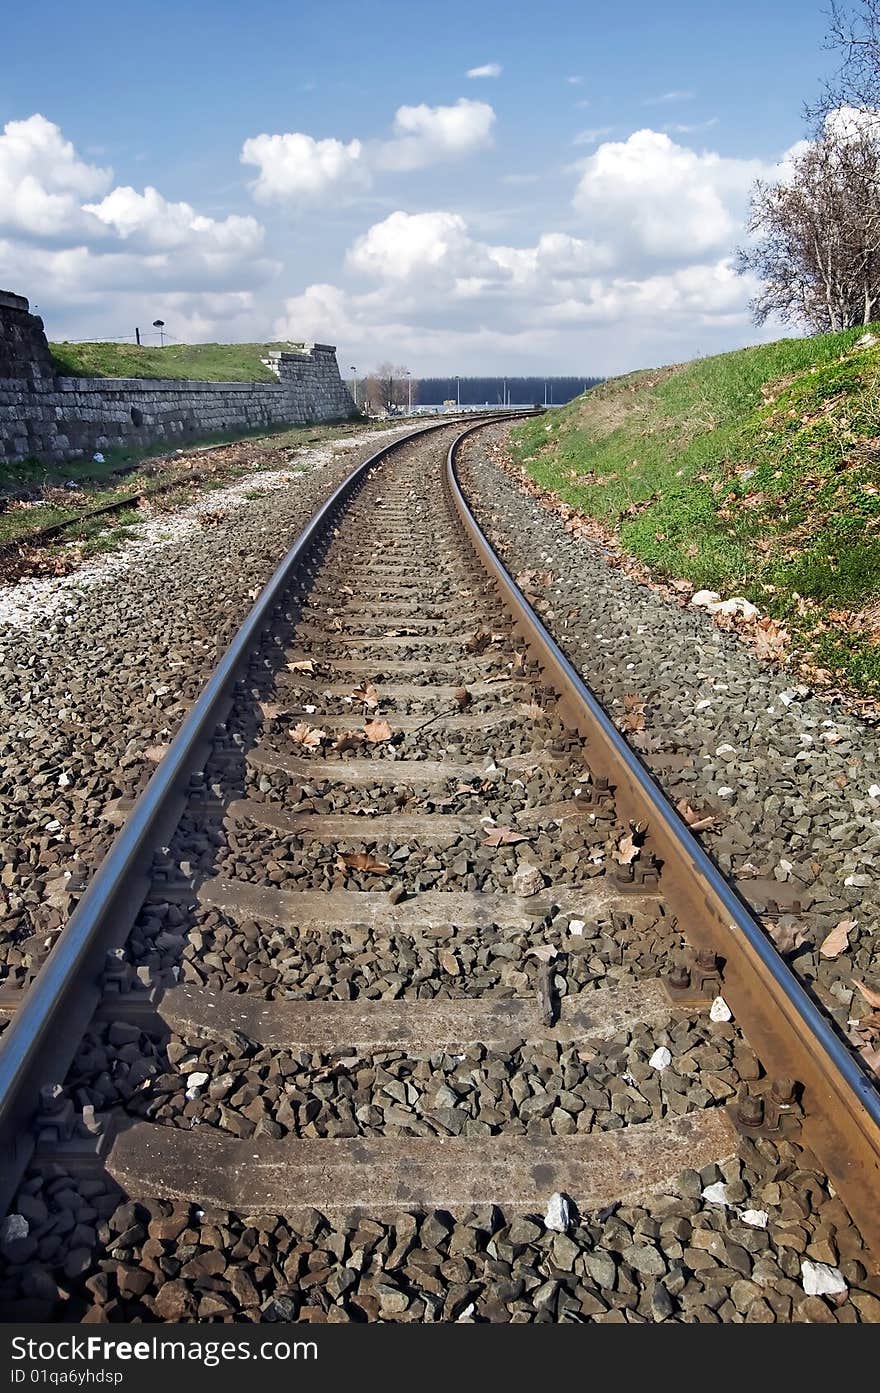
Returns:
(677, 95)
(662, 200)
(575, 80)
(487, 70)
(296, 166)
(405, 244)
(150, 221)
(42, 180)
(120, 250)
(424, 135)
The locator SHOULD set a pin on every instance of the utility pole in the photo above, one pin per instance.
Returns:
(545, 393)
(408, 392)
(458, 391)
(391, 396)
(353, 369)
(137, 336)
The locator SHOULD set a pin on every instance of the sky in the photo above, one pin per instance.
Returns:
(461, 188)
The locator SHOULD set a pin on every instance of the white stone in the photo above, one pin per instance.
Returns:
(194, 1084)
(527, 880)
(704, 598)
(725, 750)
(725, 792)
(558, 1216)
(719, 1010)
(716, 1194)
(577, 926)
(818, 1279)
(14, 1226)
(660, 1059)
(874, 791)
(755, 1218)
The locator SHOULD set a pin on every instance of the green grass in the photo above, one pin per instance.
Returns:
(754, 473)
(205, 362)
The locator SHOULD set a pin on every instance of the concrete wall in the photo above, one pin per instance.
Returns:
(63, 418)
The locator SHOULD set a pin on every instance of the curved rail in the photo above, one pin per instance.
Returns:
(38, 1046)
(792, 1037)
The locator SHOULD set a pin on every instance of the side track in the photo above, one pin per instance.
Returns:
(377, 954)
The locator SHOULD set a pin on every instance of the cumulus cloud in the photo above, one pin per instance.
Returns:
(296, 166)
(663, 199)
(43, 180)
(487, 70)
(81, 243)
(149, 220)
(424, 135)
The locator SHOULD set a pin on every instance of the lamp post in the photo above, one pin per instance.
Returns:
(353, 369)
(160, 325)
(458, 392)
(408, 392)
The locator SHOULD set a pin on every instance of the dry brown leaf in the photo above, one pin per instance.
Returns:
(532, 709)
(503, 836)
(462, 696)
(871, 1055)
(361, 861)
(869, 993)
(838, 939)
(367, 695)
(307, 736)
(519, 661)
(787, 937)
(348, 740)
(697, 822)
(155, 753)
(377, 732)
(270, 709)
(626, 851)
(346, 590)
(304, 665)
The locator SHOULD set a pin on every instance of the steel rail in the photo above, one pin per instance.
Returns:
(788, 1031)
(38, 1047)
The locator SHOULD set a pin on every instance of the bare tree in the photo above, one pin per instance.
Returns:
(387, 387)
(855, 36)
(817, 233)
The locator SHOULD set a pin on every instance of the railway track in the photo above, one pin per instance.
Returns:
(403, 948)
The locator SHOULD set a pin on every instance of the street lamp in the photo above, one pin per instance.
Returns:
(458, 392)
(160, 325)
(353, 369)
(408, 376)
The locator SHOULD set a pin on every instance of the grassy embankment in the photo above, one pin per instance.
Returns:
(204, 362)
(753, 473)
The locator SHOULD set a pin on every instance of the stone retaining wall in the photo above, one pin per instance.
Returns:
(63, 418)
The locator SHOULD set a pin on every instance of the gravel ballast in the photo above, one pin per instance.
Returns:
(792, 781)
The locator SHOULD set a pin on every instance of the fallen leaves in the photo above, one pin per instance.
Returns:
(697, 822)
(503, 836)
(367, 695)
(270, 709)
(348, 740)
(304, 665)
(308, 737)
(838, 939)
(626, 851)
(156, 753)
(377, 732)
(787, 936)
(462, 697)
(871, 996)
(361, 861)
(633, 718)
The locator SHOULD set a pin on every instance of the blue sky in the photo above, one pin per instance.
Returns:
(573, 208)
